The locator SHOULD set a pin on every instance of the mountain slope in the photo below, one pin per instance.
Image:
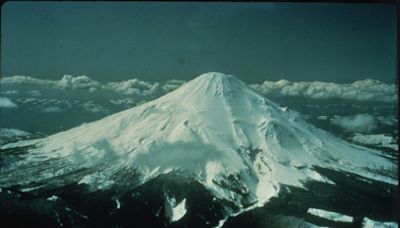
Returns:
(215, 129)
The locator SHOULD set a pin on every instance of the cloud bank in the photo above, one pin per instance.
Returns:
(364, 90)
(68, 82)
(358, 123)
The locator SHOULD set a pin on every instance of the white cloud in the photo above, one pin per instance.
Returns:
(53, 109)
(126, 102)
(322, 117)
(56, 105)
(79, 82)
(364, 90)
(171, 85)
(67, 82)
(356, 123)
(7, 103)
(133, 87)
(90, 106)
(27, 100)
(34, 93)
(25, 80)
(10, 92)
(10, 132)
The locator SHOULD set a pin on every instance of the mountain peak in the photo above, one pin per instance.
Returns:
(216, 77)
(212, 83)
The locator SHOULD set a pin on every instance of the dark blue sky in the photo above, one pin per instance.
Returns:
(111, 41)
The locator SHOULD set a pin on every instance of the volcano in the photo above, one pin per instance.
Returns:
(214, 131)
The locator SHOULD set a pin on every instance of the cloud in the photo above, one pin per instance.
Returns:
(56, 105)
(356, 123)
(10, 134)
(34, 93)
(90, 106)
(387, 120)
(364, 90)
(10, 92)
(125, 102)
(53, 109)
(25, 80)
(7, 103)
(80, 82)
(68, 82)
(134, 87)
(171, 85)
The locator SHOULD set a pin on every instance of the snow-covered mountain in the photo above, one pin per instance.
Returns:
(214, 129)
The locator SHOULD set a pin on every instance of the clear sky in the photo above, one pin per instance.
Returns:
(112, 41)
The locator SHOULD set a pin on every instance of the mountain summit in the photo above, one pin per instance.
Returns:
(217, 82)
(214, 129)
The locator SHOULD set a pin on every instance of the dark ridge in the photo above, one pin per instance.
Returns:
(351, 195)
(142, 206)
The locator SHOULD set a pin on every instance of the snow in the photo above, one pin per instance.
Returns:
(98, 179)
(118, 203)
(221, 223)
(212, 169)
(369, 223)
(337, 217)
(173, 210)
(213, 128)
(7, 103)
(377, 139)
(265, 189)
(53, 198)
